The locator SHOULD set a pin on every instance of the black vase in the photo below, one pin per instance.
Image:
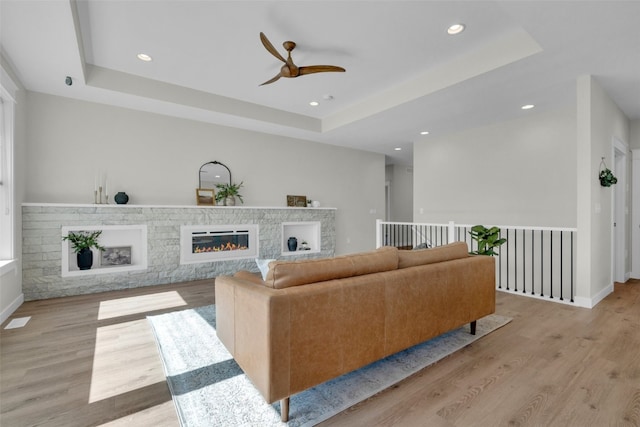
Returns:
(121, 198)
(292, 243)
(85, 259)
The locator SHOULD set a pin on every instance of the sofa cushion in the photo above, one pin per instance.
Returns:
(284, 274)
(451, 251)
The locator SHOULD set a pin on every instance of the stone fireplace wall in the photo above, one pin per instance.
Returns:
(42, 248)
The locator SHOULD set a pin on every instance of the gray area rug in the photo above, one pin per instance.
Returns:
(210, 389)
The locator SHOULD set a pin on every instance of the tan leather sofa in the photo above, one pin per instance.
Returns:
(313, 320)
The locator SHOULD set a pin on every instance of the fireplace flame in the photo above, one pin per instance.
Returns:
(225, 247)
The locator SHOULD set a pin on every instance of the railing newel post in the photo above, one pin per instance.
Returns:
(452, 232)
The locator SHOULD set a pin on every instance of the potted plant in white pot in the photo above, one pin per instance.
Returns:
(81, 243)
(227, 193)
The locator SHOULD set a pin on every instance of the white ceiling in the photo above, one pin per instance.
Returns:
(404, 73)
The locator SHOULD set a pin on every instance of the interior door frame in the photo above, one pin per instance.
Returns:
(619, 212)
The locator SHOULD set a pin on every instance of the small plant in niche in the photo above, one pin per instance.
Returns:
(84, 240)
(488, 239)
(81, 243)
(227, 193)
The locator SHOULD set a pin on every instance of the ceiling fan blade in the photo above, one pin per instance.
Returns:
(272, 50)
(319, 69)
(272, 80)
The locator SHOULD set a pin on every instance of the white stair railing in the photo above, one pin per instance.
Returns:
(536, 261)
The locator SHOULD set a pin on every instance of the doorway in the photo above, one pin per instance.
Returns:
(619, 235)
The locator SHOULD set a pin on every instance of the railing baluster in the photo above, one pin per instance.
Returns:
(533, 269)
(406, 239)
(507, 259)
(561, 270)
(500, 266)
(572, 266)
(516, 264)
(551, 263)
(541, 263)
(393, 234)
(524, 262)
(515, 257)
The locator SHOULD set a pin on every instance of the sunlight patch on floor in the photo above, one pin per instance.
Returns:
(125, 359)
(140, 304)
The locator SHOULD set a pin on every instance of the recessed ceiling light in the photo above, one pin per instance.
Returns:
(144, 57)
(398, 149)
(314, 103)
(455, 29)
(424, 132)
(527, 107)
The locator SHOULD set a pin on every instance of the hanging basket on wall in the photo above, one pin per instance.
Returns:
(606, 176)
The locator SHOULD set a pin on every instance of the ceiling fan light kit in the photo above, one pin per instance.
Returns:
(289, 69)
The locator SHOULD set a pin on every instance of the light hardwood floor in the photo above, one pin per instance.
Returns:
(92, 361)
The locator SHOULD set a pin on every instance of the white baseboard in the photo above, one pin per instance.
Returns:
(592, 302)
(4, 315)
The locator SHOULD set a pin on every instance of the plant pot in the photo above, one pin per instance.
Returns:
(121, 198)
(607, 179)
(85, 259)
(292, 244)
(230, 201)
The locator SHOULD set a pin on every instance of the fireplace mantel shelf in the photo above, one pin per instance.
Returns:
(114, 205)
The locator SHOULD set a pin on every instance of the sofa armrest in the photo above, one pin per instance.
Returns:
(252, 321)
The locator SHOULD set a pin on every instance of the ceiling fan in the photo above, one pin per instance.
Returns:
(289, 69)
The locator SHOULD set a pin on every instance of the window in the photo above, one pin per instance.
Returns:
(7, 104)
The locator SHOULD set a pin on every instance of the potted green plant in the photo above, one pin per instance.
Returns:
(227, 193)
(488, 239)
(81, 243)
(607, 179)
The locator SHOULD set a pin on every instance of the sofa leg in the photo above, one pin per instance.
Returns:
(284, 409)
(473, 327)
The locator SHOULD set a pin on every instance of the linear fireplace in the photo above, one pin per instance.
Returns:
(207, 243)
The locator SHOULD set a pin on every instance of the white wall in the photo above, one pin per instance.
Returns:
(541, 170)
(11, 282)
(155, 159)
(634, 144)
(521, 172)
(599, 121)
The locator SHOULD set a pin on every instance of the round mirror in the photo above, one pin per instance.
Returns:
(213, 173)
